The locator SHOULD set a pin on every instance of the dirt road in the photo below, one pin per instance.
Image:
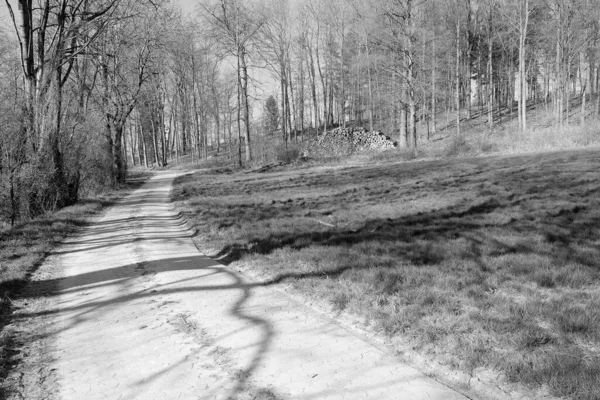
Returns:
(139, 313)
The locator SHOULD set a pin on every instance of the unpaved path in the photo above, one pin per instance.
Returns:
(140, 313)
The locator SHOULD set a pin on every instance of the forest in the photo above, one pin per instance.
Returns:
(91, 88)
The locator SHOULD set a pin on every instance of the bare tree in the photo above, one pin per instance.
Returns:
(235, 26)
(129, 54)
(51, 36)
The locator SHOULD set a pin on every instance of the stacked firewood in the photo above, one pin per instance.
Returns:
(343, 142)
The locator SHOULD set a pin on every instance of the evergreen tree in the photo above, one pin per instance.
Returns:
(271, 116)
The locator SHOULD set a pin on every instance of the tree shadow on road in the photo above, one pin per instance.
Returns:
(200, 273)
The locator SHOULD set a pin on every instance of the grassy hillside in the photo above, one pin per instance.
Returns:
(542, 135)
(485, 263)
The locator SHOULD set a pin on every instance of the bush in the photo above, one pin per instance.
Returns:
(272, 149)
(287, 154)
(457, 146)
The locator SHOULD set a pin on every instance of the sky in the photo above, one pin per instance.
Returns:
(187, 6)
(5, 22)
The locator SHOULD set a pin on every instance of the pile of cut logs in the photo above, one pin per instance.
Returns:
(344, 142)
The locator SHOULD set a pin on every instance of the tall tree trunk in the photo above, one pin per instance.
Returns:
(14, 204)
(127, 134)
(196, 135)
(480, 74)
(141, 142)
(490, 71)
(313, 88)
(402, 125)
(155, 141)
(567, 91)
(205, 132)
(239, 109)
(522, 66)
(289, 98)
(217, 118)
(230, 135)
(457, 77)
(59, 181)
(323, 85)
(469, 55)
(342, 115)
(133, 141)
(119, 163)
(592, 67)
(301, 99)
(171, 149)
(433, 111)
(400, 109)
(32, 91)
(510, 84)
(583, 80)
(410, 78)
(283, 85)
(330, 102)
(597, 80)
(370, 84)
(244, 79)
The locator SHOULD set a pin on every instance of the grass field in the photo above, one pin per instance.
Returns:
(481, 263)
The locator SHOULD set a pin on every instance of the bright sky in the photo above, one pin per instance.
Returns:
(187, 6)
(5, 22)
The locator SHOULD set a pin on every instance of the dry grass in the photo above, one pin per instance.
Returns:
(542, 135)
(490, 262)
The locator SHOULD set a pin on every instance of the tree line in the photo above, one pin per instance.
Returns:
(90, 87)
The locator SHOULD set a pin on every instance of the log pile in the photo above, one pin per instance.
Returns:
(343, 142)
